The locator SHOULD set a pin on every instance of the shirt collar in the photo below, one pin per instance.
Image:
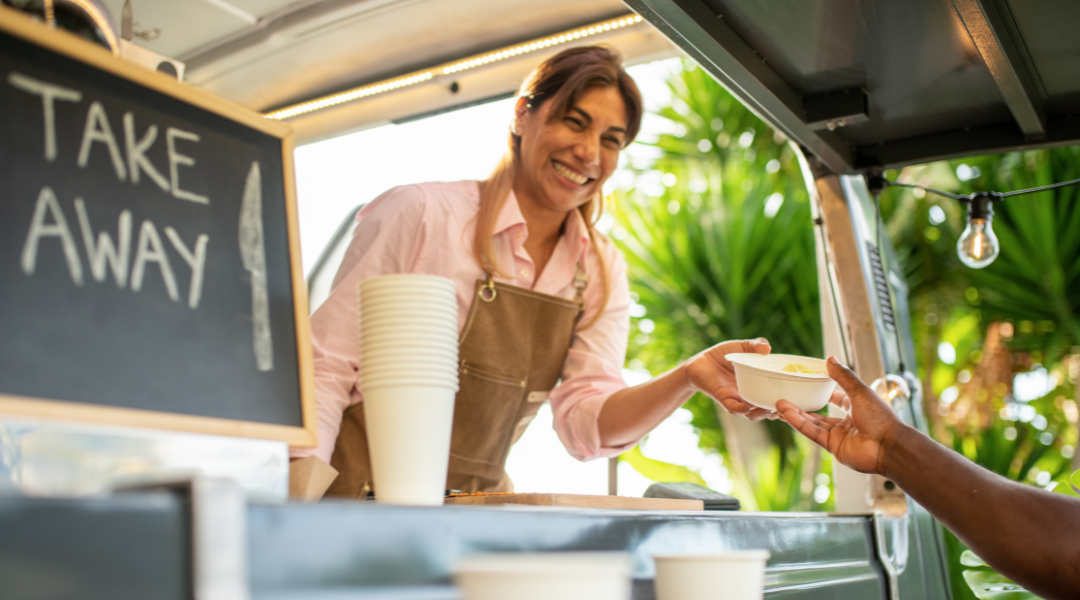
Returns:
(575, 232)
(509, 216)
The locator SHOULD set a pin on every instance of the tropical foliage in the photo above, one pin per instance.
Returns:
(1014, 317)
(718, 236)
(717, 233)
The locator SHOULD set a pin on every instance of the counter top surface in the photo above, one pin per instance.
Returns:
(326, 547)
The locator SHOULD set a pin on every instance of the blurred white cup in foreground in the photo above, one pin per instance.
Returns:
(736, 575)
(546, 576)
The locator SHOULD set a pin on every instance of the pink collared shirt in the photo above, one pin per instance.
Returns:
(428, 228)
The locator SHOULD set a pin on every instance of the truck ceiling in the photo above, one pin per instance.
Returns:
(271, 54)
(871, 84)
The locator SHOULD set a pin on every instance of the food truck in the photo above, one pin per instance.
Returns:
(175, 487)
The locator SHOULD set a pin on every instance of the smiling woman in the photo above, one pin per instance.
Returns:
(573, 116)
(555, 299)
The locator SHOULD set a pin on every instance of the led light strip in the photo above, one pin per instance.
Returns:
(101, 22)
(454, 67)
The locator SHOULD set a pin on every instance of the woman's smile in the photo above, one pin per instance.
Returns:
(567, 173)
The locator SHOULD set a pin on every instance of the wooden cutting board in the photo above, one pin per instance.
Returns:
(579, 500)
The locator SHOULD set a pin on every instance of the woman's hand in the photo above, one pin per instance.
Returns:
(856, 440)
(712, 373)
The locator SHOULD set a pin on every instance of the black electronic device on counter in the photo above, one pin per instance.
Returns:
(692, 491)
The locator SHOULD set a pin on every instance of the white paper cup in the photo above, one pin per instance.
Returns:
(386, 369)
(412, 296)
(383, 284)
(414, 323)
(427, 348)
(408, 430)
(419, 322)
(373, 368)
(736, 575)
(405, 346)
(528, 576)
(387, 337)
(417, 326)
(410, 293)
(406, 340)
(440, 380)
(410, 362)
(762, 381)
(406, 278)
(404, 372)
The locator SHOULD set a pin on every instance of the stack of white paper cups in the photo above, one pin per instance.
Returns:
(409, 377)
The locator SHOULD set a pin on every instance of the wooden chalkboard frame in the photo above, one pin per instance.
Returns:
(26, 28)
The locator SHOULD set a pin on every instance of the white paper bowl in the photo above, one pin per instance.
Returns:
(762, 381)
(738, 575)
(546, 576)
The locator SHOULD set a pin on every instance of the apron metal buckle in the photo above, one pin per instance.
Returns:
(487, 293)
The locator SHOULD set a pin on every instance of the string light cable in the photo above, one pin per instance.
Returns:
(977, 246)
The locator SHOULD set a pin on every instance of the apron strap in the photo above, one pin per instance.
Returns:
(487, 293)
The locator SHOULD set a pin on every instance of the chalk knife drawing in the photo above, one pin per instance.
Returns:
(253, 253)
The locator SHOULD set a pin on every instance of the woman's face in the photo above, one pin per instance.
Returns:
(565, 162)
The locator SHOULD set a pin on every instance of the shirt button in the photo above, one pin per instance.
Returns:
(524, 272)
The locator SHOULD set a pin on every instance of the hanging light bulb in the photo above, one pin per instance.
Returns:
(978, 246)
(893, 389)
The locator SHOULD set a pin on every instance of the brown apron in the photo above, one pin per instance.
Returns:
(512, 351)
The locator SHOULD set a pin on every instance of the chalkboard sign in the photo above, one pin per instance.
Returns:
(149, 255)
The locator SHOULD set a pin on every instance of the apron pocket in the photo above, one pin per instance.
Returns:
(486, 413)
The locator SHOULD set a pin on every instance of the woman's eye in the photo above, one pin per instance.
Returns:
(613, 142)
(575, 123)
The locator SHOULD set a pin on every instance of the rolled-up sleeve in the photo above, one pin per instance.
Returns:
(593, 369)
(389, 238)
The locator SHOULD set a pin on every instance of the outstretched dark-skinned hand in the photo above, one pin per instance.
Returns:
(1028, 534)
(857, 439)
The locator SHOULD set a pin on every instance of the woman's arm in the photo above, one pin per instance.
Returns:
(630, 413)
(1026, 533)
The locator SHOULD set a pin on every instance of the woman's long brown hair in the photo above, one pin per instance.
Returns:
(559, 80)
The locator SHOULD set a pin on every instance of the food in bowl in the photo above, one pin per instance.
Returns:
(763, 380)
(797, 368)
